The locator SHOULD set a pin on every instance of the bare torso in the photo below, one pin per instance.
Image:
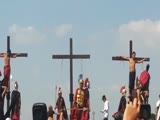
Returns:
(6, 60)
(132, 65)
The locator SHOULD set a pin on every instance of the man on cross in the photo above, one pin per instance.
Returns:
(132, 70)
(7, 68)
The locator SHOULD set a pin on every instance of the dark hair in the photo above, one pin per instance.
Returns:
(133, 52)
(103, 97)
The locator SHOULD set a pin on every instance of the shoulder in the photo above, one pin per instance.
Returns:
(158, 103)
(107, 102)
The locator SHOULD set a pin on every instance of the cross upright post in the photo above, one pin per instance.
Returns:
(10, 54)
(132, 71)
(71, 56)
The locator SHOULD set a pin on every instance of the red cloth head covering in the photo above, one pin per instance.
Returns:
(86, 83)
(123, 89)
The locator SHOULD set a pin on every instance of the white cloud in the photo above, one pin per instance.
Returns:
(144, 33)
(26, 35)
(63, 29)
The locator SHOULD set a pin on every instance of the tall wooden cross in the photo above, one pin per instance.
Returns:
(12, 54)
(71, 56)
(130, 54)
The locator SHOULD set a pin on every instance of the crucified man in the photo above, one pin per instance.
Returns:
(132, 70)
(7, 68)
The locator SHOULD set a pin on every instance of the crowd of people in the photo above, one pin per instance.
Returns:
(81, 104)
(138, 95)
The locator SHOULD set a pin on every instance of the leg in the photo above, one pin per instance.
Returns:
(131, 84)
(1, 110)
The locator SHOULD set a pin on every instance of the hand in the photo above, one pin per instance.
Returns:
(132, 109)
(144, 59)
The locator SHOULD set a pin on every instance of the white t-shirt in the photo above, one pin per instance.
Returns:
(158, 105)
(106, 109)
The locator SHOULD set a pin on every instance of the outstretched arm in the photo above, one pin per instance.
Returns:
(124, 57)
(140, 61)
(1, 54)
(15, 55)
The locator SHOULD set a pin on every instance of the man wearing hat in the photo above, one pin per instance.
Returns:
(79, 101)
(15, 105)
(61, 106)
(122, 105)
(105, 110)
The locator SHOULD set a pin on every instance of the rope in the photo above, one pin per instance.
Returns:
(81, 66)
(142, 66)
(61, 70)
(123, 63)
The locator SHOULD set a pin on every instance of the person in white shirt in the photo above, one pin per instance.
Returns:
(106, 107)
(157, 109)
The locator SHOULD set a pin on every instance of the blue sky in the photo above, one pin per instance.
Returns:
(102, 29)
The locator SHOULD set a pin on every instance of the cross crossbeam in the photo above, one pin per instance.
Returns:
(118, 58)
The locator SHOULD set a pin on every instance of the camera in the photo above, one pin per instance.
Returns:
(145, 108)
(145, 111)
(39, 111)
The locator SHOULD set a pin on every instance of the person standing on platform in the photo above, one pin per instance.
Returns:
(132, 71)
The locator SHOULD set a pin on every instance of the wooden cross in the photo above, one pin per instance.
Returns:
(11, 54)
(71, 56)
(130, 54)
